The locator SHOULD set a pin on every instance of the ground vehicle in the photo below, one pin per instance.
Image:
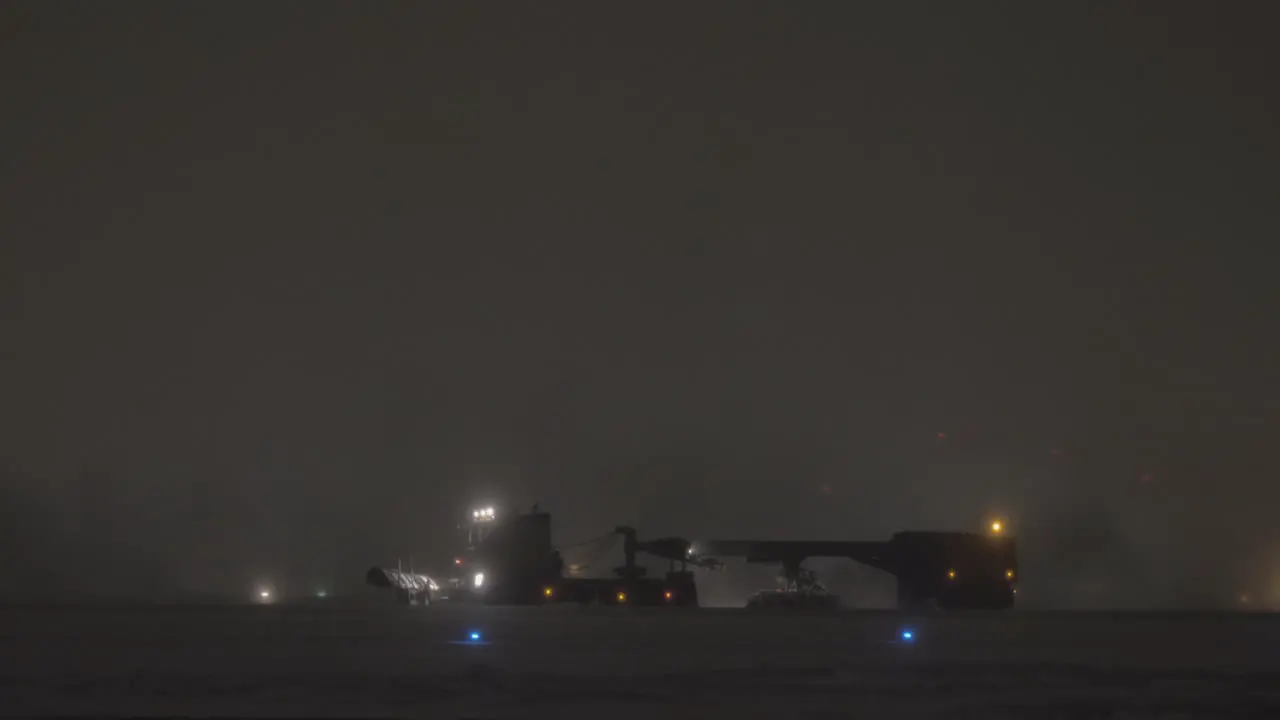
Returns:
(514, 563)
(676, 587)
(411, 588)
(952, 569)
(803, 591)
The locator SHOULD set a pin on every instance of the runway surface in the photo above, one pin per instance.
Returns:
(563, 662)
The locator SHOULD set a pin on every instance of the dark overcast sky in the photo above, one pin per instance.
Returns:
(284, 287)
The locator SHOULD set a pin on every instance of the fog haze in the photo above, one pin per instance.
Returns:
(284, 289)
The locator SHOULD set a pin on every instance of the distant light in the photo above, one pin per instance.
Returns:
(951, 574)
(471, 637)
(479, 579)
(668, 595)
(1008, 574)
(908, 635)
(322, 594)
(457, 561)
(997, 527)
(942, 436)
(264, 594)
(622, 597)
(1244, 598)
(548, 592)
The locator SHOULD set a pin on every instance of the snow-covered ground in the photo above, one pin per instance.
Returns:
(562, 662)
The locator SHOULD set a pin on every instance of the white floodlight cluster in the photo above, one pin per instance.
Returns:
(482, 514)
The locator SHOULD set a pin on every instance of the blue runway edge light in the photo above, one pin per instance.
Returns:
(908, 635)
(470, 638)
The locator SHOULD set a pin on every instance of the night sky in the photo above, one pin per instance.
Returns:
(285, 288)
